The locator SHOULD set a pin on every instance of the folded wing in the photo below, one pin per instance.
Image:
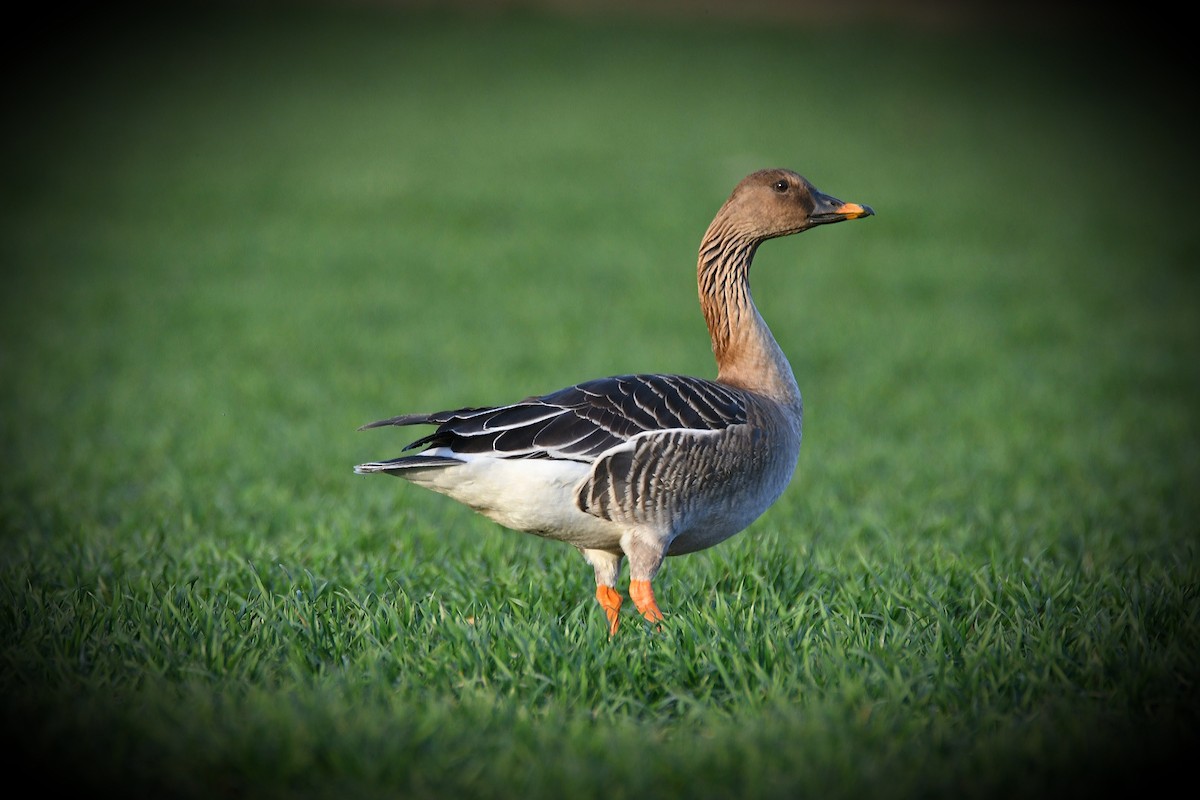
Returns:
(580, 422)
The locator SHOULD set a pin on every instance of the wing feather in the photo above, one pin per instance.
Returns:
(583, 421)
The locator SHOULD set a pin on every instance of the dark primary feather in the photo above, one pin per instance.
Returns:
(582, 421)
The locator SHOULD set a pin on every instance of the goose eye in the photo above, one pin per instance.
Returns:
(781, 186)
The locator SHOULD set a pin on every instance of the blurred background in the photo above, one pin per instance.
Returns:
(232, 233)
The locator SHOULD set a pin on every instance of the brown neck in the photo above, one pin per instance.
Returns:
(746, 352)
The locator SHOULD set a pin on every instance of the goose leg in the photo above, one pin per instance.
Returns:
(646, 554)
(610, 600)
(642, 595)
(607, 566)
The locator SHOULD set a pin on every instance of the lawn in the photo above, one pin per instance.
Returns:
(232, 236)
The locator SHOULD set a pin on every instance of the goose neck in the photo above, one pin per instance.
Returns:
(747, 354)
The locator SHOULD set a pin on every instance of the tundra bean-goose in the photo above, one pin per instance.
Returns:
(645, 466)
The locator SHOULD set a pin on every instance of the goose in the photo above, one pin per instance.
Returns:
(642, 467)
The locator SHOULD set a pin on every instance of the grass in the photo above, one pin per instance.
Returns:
(227, 243)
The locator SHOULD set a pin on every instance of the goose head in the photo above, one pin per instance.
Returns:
(778, 202)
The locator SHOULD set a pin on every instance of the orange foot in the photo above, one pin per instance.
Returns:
(643, 598)
(610, 601)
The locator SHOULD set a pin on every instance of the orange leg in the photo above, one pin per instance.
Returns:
(610, 601)
(643, 598)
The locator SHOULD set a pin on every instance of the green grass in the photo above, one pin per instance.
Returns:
(231, 238)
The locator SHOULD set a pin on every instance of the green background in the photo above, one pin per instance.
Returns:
(231, 235)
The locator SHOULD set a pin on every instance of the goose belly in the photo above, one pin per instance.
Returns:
(721, 518)
(535, 495)
(715, 510)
